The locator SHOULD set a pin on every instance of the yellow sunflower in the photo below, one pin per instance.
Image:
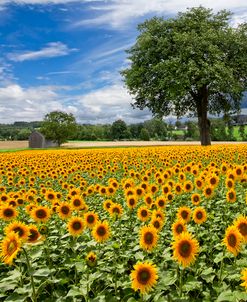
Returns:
(143, 213)
(64, 210)
(148, 237)
(188, 186)
(233, 240)
(20, 228)
(184, 213)
(10, 247)
(148, 199)
(178, 227)
(34, 234)
(231, 195)
(107, 204)
(77, 203)
(244, 278)
(241, 225)
(196, 199)
(91, 259)
(8, 213)
(185, 249)
(101, 231)
(41, 214)
(91, 218)
(199, 215)
(116, 210)
(131, 201)
(160, 202)
(208, 191)
(144, 277)
(157, 223)
(75, 226)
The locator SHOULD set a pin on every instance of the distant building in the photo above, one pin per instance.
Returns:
(240, 119)
(38, 140)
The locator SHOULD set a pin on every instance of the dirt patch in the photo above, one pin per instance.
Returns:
(8, 145)
(5, 145)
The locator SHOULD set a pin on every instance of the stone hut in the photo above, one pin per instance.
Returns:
(38, 140)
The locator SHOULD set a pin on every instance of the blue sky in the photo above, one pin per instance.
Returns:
(66, 55)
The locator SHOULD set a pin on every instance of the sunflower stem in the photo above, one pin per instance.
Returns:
(221, 265)
(87, 285)
(34, 295)
(181, 282)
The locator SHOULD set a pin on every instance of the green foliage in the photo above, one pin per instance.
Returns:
(218, 130)
(59, 126)
(157, 128)
(119, 130)
(144, 135)
(193, 63)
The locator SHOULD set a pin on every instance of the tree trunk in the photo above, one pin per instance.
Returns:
(202, 112)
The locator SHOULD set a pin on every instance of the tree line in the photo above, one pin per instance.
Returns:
(153, 129)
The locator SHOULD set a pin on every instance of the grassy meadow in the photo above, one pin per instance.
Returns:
(124, 224)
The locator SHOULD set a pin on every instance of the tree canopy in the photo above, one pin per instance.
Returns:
(194, 63)
(58, 126)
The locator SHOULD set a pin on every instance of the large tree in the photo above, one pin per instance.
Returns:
(194, 63)
(59, 126)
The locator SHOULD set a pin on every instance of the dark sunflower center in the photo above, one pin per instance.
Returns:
(148, 238)
(231, 195)
(184, 214)
(41, 213)
(131, 202)
(50, 196)
(208, 191)
(179, 228)
(34, 235)
(238, 172)
(65, 210)
(165, 190)
(161, 203)
(8, 212)
(188, 187)
(243, 228)
(77, 202)
(4, 198)
(185, 249)
(156, 224)
(144, 213)
(178, 189)
(76, 226)
(213, 181)
(101, 231)
(196, 198)
(232, 240)
(19, 230)
(92, 258)
(143, 276)
(199, 215)
(116, 210)
(139, 192)
(90, 219)
(148, 200)
(108, 205)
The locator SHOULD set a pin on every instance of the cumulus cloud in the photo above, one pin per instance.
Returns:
(29, 104)
(53, 49)
(108, 104)
(104, 105)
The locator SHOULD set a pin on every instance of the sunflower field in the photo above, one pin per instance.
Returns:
(128, 224)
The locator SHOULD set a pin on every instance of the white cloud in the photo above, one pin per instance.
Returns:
(108, 104)
(120, 13)
(104, 105)
(53, 49)
(29, 104)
